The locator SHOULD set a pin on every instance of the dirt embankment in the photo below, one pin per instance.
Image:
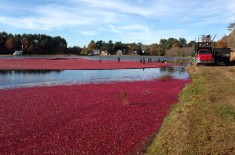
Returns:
(232, 58)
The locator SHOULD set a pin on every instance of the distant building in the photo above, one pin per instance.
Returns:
(134, 52)
(119, 52)
(94, 52)
(18, 53)
(104, 53)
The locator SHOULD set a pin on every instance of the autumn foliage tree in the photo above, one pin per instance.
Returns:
(223, 43)
(10, 44)
(232, 40)
(91, 45)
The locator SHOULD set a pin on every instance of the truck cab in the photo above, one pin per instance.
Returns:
(204, 56)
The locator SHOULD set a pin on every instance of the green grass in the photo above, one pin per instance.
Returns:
(227, 111)
(203, 121)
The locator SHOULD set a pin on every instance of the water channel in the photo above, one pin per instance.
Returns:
(29, 78)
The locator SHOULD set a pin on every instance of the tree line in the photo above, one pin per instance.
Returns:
(138, 48)
(44, 44)
(31, 44)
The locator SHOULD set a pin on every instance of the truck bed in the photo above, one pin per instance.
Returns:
(222, 55)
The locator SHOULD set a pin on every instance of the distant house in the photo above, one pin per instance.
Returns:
(134, 52)
(104, 53)
(18, 52)
(94, 52)
(119, 52)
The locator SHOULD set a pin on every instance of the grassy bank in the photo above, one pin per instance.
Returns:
(203, 122)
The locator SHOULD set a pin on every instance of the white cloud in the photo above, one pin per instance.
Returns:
(119, 6)
(133, 27)
(139, 20)
(115, 29)
(88, 33)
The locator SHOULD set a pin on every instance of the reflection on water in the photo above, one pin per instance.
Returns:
(19, 78)
(173, 70)
(8, 72)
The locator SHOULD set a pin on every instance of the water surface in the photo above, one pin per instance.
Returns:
(27, 78)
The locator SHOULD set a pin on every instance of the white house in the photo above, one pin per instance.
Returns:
(104, 53)
(94, 52)
(119, 52)
(18, 53)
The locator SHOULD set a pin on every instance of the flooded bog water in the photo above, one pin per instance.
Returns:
(27, 78)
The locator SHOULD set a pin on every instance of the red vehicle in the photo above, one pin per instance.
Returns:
(204, 50)
(204, 56)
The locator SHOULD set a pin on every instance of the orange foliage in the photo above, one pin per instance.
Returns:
(223, 43)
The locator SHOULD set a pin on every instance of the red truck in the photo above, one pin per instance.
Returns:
(203, 49)
(205, 54)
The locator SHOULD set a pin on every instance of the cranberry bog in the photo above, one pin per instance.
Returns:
(72, 63)
(102, 118)
(98, 118)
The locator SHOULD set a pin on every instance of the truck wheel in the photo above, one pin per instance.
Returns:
(197, 64)
(215, 63)
(227, 63)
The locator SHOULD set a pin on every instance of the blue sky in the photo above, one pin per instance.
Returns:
(146, 21)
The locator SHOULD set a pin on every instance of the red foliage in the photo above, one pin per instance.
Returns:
(84, 119)
(72, 63)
